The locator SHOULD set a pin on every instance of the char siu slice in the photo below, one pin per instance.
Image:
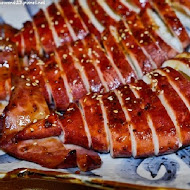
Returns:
(87, 66)
(179, 83)
(139, 59)
(102, 16)
(169, 17)
(59, 24)
(141, 134)
(163, 130)
(44, 32)
(56, 83)
(174, 105)
(118, 56)
(95, 121)
(76, 84)
(117, 126)
(73, 126)
(109, 73)
(87, 18)
(73, 18)
(153, 28)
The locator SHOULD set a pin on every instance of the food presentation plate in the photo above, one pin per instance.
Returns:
(168, 171)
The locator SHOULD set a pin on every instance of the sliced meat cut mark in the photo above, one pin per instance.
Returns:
(59, 24)
(73, 75)
(95, 122)
(74, 19)
(19, 40)
(107, 69)
(73, 127)
(108, 10)
(52, 28)
(90, 21)
(101, 15)
(91, 17)
(118, 56)
(117, 125)
(179, 63)
(179, 83)
(141, 134)
(167, 14)
(163, 130)
(67, 91)
(145, 40)
(175, 107)
(86, 63)
(131, 5)
(44, 32)
(165, 32)
(181, 5)
(44, 128)
(35, 75)
(184, 19)
(153, 28)
(29, 37)
(56, 83)
(140, 61)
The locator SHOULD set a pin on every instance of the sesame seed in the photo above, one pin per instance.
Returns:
(104, 38)
(80, 49)
(115, 111)
(129, 109)
(54, 125)
(28, 84)
(177, 78)
(128, 98)
(84, 100)
(64, 56)
(110, 98)
(35, 143)
(167, 70)
(37, 81)
(40, 62)
(70, 109)
(35, 120)
(129, 22)
(141, 41)
(46, 116)
(31, 129)
(58, 13)
(12, 88)
(56, 22)
(97, 61)
(112, 48)
(146, 32)
(96, 11)
(43, 26)
(142, 35)
(74, 82)
(22, 76)
(26, 68)
(71, 21)
(132, 46)
(41, 113)
(127, 44)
